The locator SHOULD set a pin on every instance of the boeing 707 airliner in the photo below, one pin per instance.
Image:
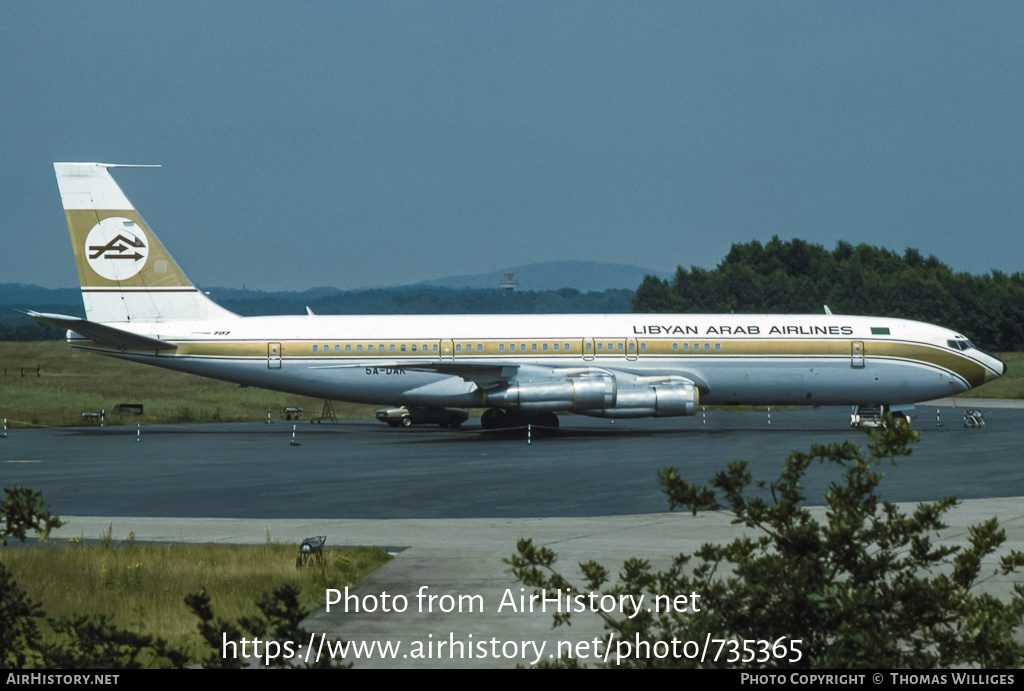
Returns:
(140, 306)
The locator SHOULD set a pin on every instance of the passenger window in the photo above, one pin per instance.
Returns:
(314, 349)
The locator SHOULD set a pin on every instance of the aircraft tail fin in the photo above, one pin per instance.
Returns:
(125, 272)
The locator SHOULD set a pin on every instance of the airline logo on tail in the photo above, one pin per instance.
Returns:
(116, 248)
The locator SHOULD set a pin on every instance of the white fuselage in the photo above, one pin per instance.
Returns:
(476, 360)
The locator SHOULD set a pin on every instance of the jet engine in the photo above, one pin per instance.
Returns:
(571, 393)
(602, 395)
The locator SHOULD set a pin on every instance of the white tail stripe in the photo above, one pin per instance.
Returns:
(151, 289)
(90, 186)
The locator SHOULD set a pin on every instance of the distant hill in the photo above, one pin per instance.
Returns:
(583, 276)
(25, 295)
(593, 293)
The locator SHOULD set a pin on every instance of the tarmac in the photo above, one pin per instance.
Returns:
(448, 598)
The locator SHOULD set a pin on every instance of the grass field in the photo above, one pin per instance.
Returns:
(50, 384)
(1010, 385)
(142, 588)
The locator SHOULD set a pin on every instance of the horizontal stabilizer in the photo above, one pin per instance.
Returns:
(101, 333)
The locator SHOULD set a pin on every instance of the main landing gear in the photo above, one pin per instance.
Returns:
(496, 418)
(871, 416)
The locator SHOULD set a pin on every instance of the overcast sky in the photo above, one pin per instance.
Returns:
(355, 144)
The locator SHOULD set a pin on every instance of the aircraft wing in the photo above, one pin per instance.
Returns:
(102, 333)
(486, 375)
(489, 375)
(496, 375)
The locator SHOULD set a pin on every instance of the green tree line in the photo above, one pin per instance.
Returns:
(797, 277)
(15, 326)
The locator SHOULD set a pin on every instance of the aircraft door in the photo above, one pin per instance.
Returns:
(857, 354)
(273, 356)
(588, 348)
(447, 349)
(631, 349)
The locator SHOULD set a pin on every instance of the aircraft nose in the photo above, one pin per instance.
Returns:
(999, 368)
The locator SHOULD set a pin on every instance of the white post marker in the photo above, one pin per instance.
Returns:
(293, 442)
(529, 434)
(938, 420)
(769, 416)
(138, 431)
(5, 429)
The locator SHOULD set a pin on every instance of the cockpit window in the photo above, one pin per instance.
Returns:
(959, 344)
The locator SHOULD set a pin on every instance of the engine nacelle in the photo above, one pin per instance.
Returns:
(658, 400)
(602, 396)
(577, 393)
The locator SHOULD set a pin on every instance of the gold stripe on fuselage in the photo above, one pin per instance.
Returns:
(649, 349)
